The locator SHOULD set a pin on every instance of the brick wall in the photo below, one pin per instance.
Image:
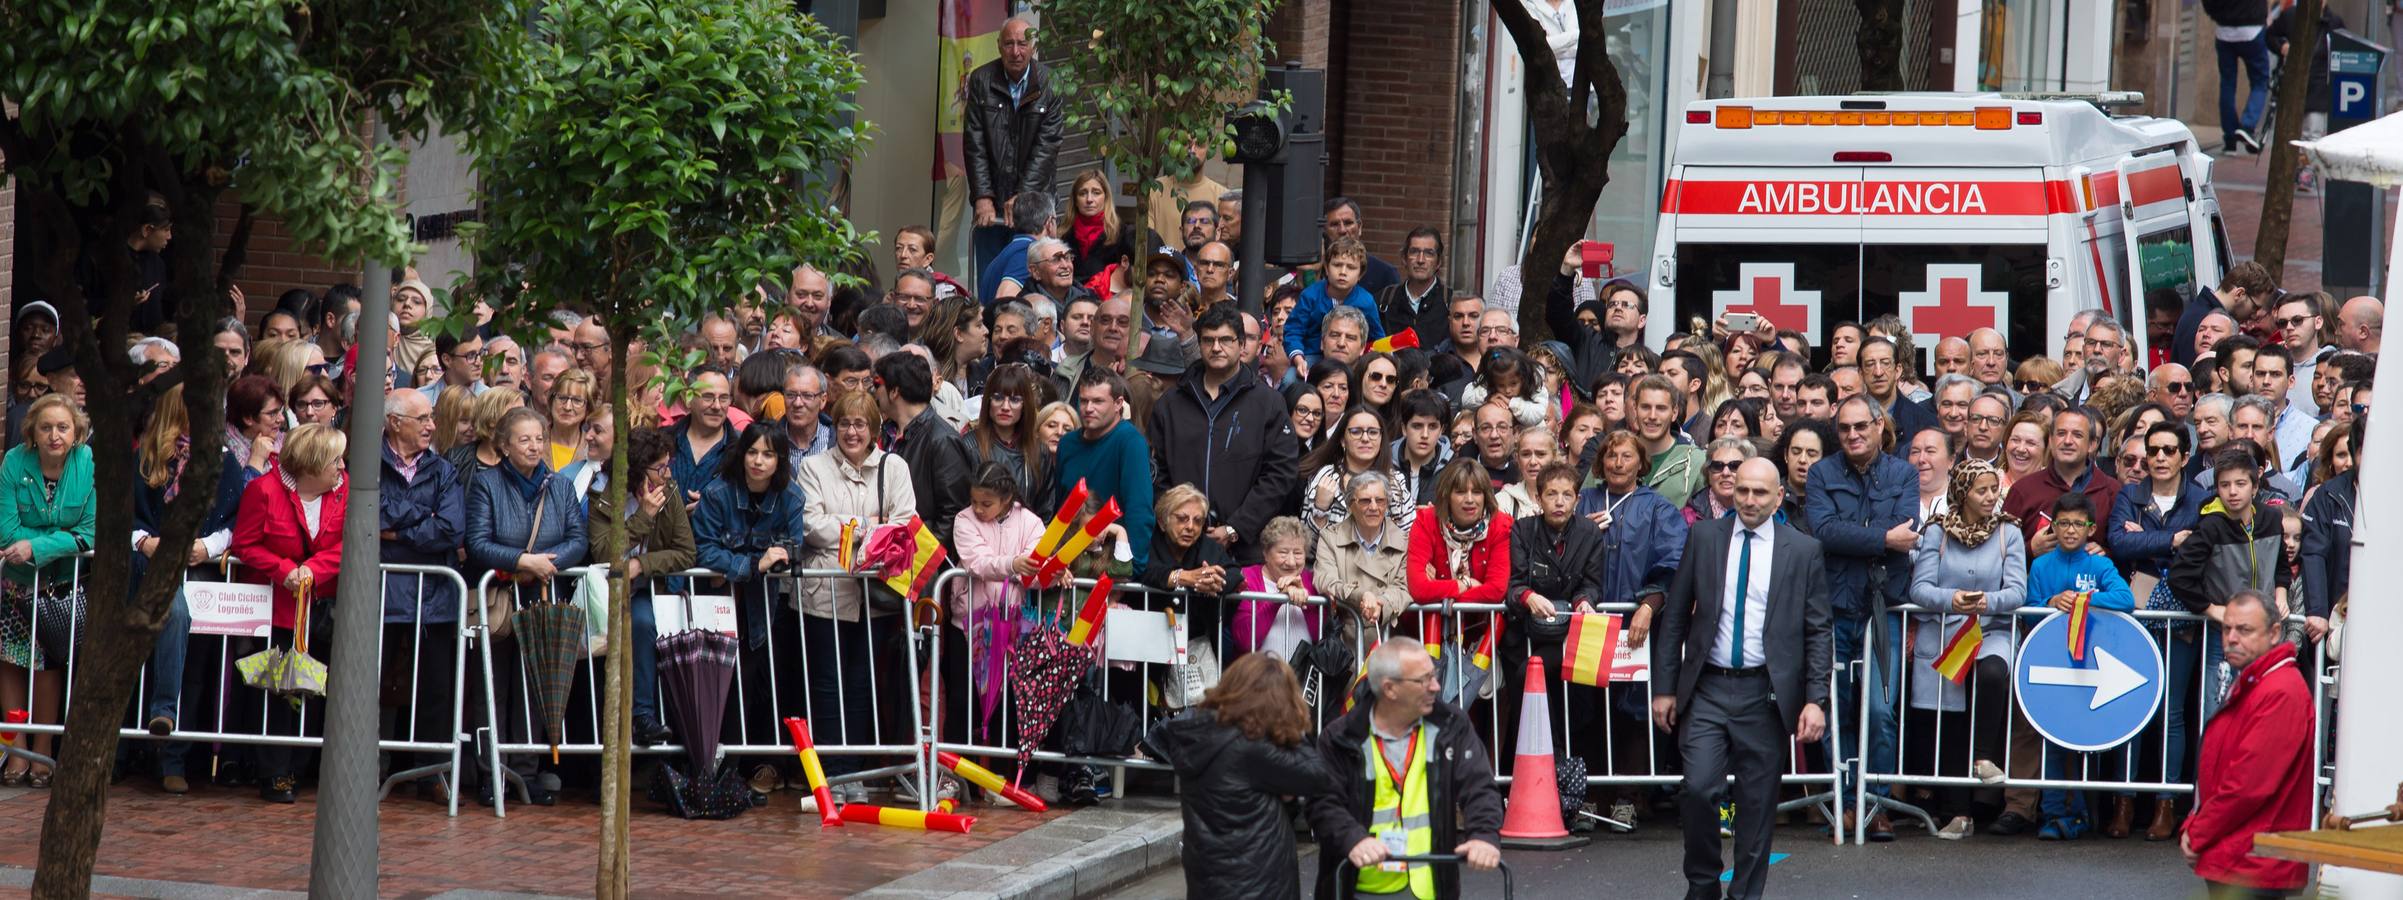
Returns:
(275, 264)
(1399, 118)
(1299, 29)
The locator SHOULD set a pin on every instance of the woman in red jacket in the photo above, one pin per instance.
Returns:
(1459, 551)
(288, 533)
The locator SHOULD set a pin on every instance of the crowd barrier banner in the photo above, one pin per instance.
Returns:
(775, 677)
(1938, 734)
(229, 619)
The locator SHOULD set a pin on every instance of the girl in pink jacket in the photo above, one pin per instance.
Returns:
(995, 534)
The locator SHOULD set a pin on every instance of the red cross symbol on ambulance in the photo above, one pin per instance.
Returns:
(1767, 290)
(1954, 304)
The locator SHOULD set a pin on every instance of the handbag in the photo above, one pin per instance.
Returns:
(592, 596)
(2155, 591)
(1095, 727)
(1288, 631)
(58, 619)
(500, 596)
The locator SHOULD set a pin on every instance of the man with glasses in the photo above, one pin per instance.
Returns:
(1035, 215)
(914, 292)
(1011, 134)
(700, 438)
(2172, 386)
(1430, 789)
(805, 421)
(1421, 300)
(1199, 224)
(1881, 379)
(591, 347)
(1214, 264)
(2302, 329)
(1498, 328)
(462, 358)
(421, 520)
(1989, 411)
(1223, 430)
(1862, 505)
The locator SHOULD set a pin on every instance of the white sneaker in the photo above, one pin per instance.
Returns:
(1986, 771)
(1960, 827)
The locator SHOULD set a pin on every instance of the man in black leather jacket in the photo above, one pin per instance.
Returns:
(1012, 133)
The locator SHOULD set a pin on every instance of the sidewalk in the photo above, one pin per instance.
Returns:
(2240, 183)
(223, 842)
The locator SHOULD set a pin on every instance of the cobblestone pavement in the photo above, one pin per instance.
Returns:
(226, 837)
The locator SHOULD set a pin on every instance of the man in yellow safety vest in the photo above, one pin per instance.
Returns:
(1412, 779)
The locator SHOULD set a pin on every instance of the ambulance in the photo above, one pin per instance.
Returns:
(1954, 211)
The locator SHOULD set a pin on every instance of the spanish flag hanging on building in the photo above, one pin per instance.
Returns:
(1593, 642)
(2078, 610)
(1960, 653)
(1089, 617)
(926, 561)
(1407, 337)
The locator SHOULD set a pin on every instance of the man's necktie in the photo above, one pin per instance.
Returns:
(1743, 586)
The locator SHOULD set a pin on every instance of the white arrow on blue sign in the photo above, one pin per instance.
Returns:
(2096, 703)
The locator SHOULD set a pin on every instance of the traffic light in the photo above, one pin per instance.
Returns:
(1289, 145)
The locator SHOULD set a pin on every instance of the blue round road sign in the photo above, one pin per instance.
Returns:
(2095, 703)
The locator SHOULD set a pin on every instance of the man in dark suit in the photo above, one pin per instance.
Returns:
(1745, 671)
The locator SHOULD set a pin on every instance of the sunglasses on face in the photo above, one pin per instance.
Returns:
(2170, 450)
(1726, 466)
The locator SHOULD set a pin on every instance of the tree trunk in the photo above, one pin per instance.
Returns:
(2294, 79)
(121, 625)
(1572, 149)
(1878, 44)
(613, 876)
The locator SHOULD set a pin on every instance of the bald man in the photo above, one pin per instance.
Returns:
(591, 347)
(2171, 385)
(1952, 355)
(2360, 323)
(1989, 358)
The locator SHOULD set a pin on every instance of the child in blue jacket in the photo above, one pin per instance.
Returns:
(1346, 258)
(2059, 577)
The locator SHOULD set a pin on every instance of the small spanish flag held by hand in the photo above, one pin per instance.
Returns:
(1593, 642)
(1407, 337)
(2078, 609)
(1089, 617)
(1960, 653)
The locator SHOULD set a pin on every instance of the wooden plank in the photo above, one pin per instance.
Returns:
(2376, 849)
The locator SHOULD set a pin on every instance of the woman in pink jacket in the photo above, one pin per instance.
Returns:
(995, 534)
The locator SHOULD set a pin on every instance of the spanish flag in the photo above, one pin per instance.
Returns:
(2077, 624)
(1407, 337)
(1353, 690)
(1089, 617)
(926, 561)
(1593, 643)
(1960, 654)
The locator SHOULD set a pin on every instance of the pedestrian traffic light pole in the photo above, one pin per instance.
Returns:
(344, 860)
(1253, 298)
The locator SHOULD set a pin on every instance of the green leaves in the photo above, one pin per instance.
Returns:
(1148, 80)
(652, 159)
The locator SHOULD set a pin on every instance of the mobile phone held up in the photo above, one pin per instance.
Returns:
(1596, 256)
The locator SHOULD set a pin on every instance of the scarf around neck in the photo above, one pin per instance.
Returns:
(528, 486)
(1459, 541)
(1088, 232)
(1956, 498)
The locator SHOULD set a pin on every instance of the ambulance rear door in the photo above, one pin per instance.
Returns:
(1951, 250)
(1779, 242)
(2159, 229)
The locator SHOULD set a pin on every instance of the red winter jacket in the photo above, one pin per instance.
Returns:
(1432, 580)
(271, 538)
(2256, 775)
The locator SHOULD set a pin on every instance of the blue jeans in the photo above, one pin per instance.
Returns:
(2059, 803)
(1850, 636)
(2256, 58)
(165, 690)
(989, 242)
(646, 656)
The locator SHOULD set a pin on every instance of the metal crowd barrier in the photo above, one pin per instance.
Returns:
(991, 739)
(235, 700)
(1819, 788)
(1952, 746)
(510, 727)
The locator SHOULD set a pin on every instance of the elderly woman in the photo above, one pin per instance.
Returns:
(864, 487)
(1643, 539)
(659, 540)
(1556, 569)
(1360, 564)
(1717, 498)
(46, 520)
(288, 533)
(1362, 443)
(1284, 569)
(1181, 561)
(524, 525)
(1970, 561)
(572, 397)
(484, 451)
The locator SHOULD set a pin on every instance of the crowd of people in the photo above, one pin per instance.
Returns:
(1272, 446)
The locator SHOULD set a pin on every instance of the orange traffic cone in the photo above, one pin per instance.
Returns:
(1532, 821)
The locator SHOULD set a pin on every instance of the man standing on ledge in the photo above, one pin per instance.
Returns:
(1741, 661)
(1012, 134)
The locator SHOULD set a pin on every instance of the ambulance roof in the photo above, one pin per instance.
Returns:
(1810, 131)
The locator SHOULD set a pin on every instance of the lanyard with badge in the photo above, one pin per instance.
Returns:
(1397, 841)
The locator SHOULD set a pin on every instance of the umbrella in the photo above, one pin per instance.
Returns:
(550, 635)
(291, 673)
(1044, 669)
(993, 631)
(696, 669)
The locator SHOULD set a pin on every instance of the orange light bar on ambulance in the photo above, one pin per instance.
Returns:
(1992, 118)
(1735, 117)
(1984, 118)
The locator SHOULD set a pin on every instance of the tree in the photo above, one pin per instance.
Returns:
(2294, 80)
(648, 161)
(1153, 80)
(118, 99)
(1576, 128)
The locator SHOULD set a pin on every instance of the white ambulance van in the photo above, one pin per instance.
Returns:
(1954, 211)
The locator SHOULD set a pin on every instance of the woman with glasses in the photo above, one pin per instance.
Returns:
(1006, 432)
(2155, 512)
(571, 403)
(2036, 376)
(254, 422)
(1362, 443)
(1307, 412)
(314, 400)
(1378, 380)
(854, 484)
(524, 526)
